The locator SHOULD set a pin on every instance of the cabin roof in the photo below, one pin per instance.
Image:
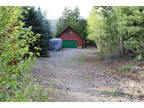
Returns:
(68, 29)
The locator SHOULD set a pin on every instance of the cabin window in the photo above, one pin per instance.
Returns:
(69, 32)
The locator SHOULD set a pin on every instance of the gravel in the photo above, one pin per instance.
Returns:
(78, 80)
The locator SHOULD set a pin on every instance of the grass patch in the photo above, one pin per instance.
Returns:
(79, 59)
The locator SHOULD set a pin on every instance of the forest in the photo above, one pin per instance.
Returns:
(117, 32)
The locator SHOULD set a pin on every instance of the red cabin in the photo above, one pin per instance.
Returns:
(71, 39)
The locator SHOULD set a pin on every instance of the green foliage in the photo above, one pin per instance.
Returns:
(117, 30)
(131, 28)
(73, 19)
(16, 59)
(101, 28)
(37, 20)
(139, 57)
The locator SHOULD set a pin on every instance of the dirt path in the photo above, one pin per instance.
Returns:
(76, 79)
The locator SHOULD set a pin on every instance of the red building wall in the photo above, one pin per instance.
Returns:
(71, 35)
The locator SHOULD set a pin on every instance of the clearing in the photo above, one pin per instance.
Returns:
(77, 76)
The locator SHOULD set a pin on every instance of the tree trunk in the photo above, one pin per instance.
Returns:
(122, 47)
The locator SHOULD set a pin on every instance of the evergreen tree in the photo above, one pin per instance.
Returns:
(37, 20)
(73, 19)
(130, 29)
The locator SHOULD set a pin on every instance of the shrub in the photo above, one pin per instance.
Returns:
(16, 60)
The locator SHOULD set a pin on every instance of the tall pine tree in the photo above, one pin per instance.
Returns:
(37, 20)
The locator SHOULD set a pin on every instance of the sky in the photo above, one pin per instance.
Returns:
(55, 8)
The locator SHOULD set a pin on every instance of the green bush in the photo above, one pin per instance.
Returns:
(16, 60)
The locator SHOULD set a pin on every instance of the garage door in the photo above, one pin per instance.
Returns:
(69, 44)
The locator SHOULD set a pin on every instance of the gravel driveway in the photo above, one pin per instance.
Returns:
(76, 79)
